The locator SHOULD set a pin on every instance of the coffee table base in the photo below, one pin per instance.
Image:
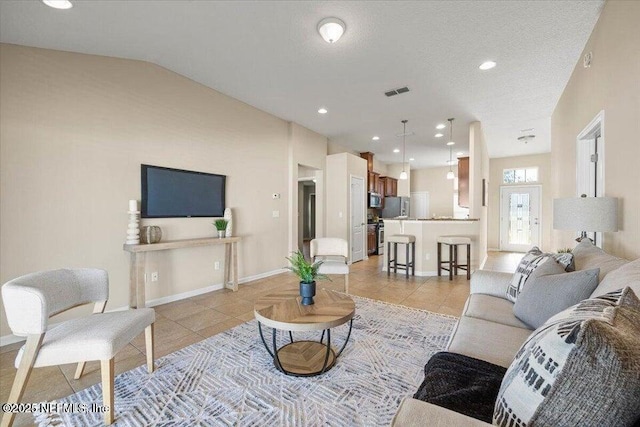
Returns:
(304, 358)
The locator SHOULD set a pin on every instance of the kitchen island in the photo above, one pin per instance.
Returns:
(427, 231)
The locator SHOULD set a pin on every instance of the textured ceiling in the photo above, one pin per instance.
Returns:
(269, 55)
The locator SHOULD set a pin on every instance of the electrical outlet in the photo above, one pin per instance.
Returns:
(427, 257)
(216, 265)
(154, 276)
(275, 214)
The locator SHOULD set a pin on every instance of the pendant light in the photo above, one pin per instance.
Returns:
(403, 174)
(450, 174)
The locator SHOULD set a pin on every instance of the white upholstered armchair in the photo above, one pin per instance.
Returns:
(334, 253)
(30, 300)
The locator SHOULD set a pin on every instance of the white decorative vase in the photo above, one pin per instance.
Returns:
(221, 234)
(229, 217)
(133, 229)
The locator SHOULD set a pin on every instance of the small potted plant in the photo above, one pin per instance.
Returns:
(221, 226)
(307, 272)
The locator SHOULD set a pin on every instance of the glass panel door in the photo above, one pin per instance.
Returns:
(519, 218)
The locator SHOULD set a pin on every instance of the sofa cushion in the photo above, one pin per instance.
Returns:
(494, 309)
(531, 260)
(581, 368)
(494, 342)
(625, 275)
(463, 384)
(587, 256)
(548, 294)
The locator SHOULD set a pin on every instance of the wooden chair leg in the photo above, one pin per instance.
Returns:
(107, 368)
(468, 262)
(439, 259)
(148, 338)
(79, 370)
(346, 284)
(22, 375)
(451, 262)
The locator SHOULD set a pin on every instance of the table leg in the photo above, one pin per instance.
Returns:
(234, 247)
(225, 271)
(136, 280)
(326, 356)
(347, 340)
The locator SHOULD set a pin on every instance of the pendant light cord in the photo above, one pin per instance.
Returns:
(404, 142)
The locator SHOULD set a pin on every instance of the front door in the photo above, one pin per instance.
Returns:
(358, 223)
(519, 218)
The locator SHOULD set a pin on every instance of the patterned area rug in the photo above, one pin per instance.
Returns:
(229, 379)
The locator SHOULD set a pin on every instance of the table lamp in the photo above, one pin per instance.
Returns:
(585, 214)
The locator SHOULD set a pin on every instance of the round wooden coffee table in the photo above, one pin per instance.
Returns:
(283, 311)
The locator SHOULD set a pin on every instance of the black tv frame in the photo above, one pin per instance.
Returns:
(143, 199)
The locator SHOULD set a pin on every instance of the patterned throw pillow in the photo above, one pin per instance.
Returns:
(581, 368)
(528, 264)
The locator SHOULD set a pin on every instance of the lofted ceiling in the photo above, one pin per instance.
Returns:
(269, 55)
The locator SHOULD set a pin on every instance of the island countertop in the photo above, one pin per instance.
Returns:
(431, 219)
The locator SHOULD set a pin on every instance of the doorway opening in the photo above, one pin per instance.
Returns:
(306, 215)
(520, 223)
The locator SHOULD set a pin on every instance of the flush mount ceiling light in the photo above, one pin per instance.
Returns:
(331, 29)
(438, 135)
(396, 150)
(375, 138)
(403, 174)
(58, 4)
(450, 174)
(459, 153)
(487, 65)
(411, 159)
(322, 111)
(441, 126)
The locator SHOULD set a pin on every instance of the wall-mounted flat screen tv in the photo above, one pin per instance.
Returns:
(177, 193)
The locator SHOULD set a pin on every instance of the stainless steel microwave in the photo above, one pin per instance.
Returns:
(375, 200)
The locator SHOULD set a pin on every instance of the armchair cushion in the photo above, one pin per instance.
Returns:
(95, 337)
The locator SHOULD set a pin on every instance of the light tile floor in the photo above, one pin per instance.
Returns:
(184, 322)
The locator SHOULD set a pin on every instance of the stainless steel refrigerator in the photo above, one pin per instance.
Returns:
(395, 206)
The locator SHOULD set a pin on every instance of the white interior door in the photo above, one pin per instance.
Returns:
(519, 218)
(358, 222)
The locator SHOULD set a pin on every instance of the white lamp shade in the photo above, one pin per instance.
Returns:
(403, 175)
(450, 175)
(586, 214)
(58, 4)
(331, 29)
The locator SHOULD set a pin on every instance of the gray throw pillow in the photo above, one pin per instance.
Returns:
(579, 369)
(550, 290)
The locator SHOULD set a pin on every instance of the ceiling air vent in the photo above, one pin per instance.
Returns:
(397, 91)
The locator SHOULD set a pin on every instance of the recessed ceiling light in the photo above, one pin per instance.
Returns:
(322, 111)
(411, 159)
(438, 135)
(375, 138)
(451, 143)
(396, 150)
(441, 126)
(487, 65)
(58, 4)
(459, 153)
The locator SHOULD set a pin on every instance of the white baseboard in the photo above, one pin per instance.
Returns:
(493, 249)
(11, 339)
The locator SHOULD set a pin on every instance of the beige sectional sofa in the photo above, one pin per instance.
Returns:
(488, 329)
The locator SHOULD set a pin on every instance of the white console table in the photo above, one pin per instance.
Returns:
(138, 256)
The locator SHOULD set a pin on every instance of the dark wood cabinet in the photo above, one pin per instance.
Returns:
(371, 239)
(463, 182)
(390, 186)
(372, 181)
(369, 158)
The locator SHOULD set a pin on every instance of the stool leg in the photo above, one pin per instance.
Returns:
(388, 258)
(395, 258)
(468, 262)
(413, 259)
(450, 262)
(455, 257)
(406, 261)
(439, 259)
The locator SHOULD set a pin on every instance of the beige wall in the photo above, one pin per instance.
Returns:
(434, 180)
(333, 148)
(612, 85)
(478, 170)
(74, 130)
(543, 162)
(339, 169)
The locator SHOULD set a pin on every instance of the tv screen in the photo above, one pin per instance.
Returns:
(176, 193)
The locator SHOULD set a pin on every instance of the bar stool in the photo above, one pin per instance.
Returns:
(409, 263)
(453, 242)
